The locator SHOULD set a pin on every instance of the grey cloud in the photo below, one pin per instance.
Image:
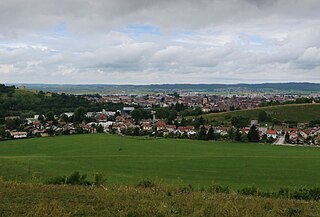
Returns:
(200, 41)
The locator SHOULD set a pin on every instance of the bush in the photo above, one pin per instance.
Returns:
(98, 179)
(218, 189)
(146, 184)
(58, 180)
(76, 179)
(248, 191)
(186, 189)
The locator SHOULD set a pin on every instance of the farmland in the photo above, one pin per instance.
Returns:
(128, 160)
(291, 112)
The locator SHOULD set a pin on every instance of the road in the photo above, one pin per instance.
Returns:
(280, 140)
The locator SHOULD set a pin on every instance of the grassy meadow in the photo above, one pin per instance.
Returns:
(128, 201)
(292, 112)
(128, 160)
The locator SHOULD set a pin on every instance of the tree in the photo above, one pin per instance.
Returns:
(239, 121)
(237, 135)
(262, 116)
(139, 114)
(287, 137)
(79, 115)
(99, 128)
(64, 118)
(211, 134)
(198, 122)
(50, 116)
(203, 133)
(253, 135)
(41, 118)
(2, 132)
(136, 131)
(172, 116)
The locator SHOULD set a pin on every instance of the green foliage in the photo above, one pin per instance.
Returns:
(57, 180)
(79, 115)
(198, 122)
(218, 189)
(202, 133)
(239, 121)
(253, 134)
(139, 114)
(99, 128)
(276, 114)
(262, 116)
(50, 116)
(211, 134)
(248, 191)
(146, 184)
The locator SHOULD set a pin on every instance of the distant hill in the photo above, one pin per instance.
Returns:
(292, 113)
(104, 88)
(15, 101)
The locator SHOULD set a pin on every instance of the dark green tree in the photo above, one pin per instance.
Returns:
(262, 116)
(237, 135)
(99, 128)
(287, 137)
(136, 131)
(211, 134)
(79, 115)
(253, 135)
(203, 133)
(50, 116)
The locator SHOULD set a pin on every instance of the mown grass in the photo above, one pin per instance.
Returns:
(296, 113)
(120, 200)
(128, 160)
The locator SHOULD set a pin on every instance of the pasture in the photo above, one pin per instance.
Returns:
(128, 160)
(291, 112)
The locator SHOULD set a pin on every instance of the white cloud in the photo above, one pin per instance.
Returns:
(143, 41)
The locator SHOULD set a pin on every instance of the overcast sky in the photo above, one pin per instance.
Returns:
(159, 41)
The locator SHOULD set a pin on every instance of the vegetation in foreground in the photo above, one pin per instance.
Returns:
(64, 200)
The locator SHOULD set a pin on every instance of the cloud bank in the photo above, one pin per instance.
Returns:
(143, 41)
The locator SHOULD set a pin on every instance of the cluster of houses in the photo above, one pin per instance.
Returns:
(108, 121)
(207, 103)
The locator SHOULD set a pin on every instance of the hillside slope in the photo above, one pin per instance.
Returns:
(295, 113)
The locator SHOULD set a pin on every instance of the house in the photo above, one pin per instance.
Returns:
(146, 126)
(206, 109)
(161, 125)
(19, 135)
(272, 134)
(171, 128)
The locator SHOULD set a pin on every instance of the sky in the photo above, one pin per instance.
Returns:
(159, 41)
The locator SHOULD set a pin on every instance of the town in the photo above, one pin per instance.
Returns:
(176, 115)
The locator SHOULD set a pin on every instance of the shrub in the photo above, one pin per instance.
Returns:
(218, 189)
(98, 179)
(248, 191)
(283, 192)
(76, 179)
(186, 189)
(58, 180)
(146, 184)
(292, 212)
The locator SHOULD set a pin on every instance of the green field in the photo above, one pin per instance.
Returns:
(128, 160)
(297, 113)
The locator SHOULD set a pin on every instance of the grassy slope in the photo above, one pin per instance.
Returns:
(45, 200)
(297, 112)
(172, 161)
